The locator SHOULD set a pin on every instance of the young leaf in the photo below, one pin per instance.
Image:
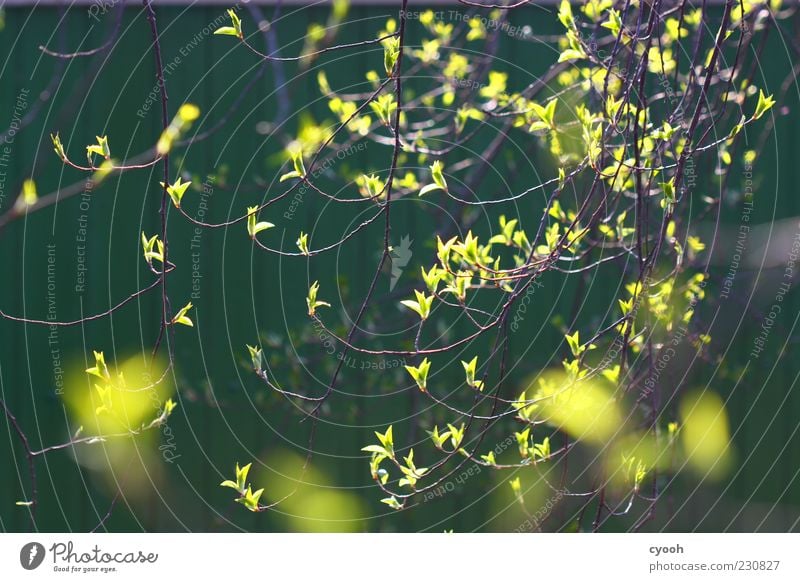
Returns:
(541, 450)
(99, 369)
(392, 502)
(257, 357)
(376, 449)
(169, 406)
(565, 14)
(574, 343)
(58, 146)
(432, 278)
(250, 499)
(235, 30)
(181, 316)
(299, 167)
(302, 243)
(439, 183)
(439, 439)
(522, 441)
(489, 458)
(516, 487)
(106, 404)
(469, 370)
(384, 107)
(312, 301)
(241, 475)
(422, 306)
(153, 249)
(387, 441)
(28, 196)
(391, 52)
(100, 148)
(371, 186)
(764, 104)
(420, 374)
(669, 193)
(456, 435)
(187, 113)
(177, 190)
(253, 227)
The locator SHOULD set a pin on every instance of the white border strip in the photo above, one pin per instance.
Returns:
(400, 557)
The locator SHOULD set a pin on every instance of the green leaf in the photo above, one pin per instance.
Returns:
(99, 369)
(257, 357)
(391, 52)
(235, 30)
(104, 393)
(290, 175)
(392, 502)
(541, 450)
(241, 475)
(422, 306)
(429, 188)
(311, 299)
(546, 113)
(181, 317)
(375, 449)
(322, 81)
(571, 55)
(522, 441)
(100, 148)
(539, 127)
(420, 374)
(299, 167)
(765, 103)
(58, 146)
(29, 195)
(669, 193)
(371, 186)
(176, 191)
(153, 248)
(436, 174)
(229, 30)
(250, 499)
(574, 343)
(614, 22)
(432, 278)
(387, 440)
(439, 439)
(469, 370)
(384, 107)
(456, 435)
(565, 14)
(439, 183)
(187, 113)
(169, 406)
(611, 374)
(302, 243)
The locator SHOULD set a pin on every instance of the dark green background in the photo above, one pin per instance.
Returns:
(225, 414)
